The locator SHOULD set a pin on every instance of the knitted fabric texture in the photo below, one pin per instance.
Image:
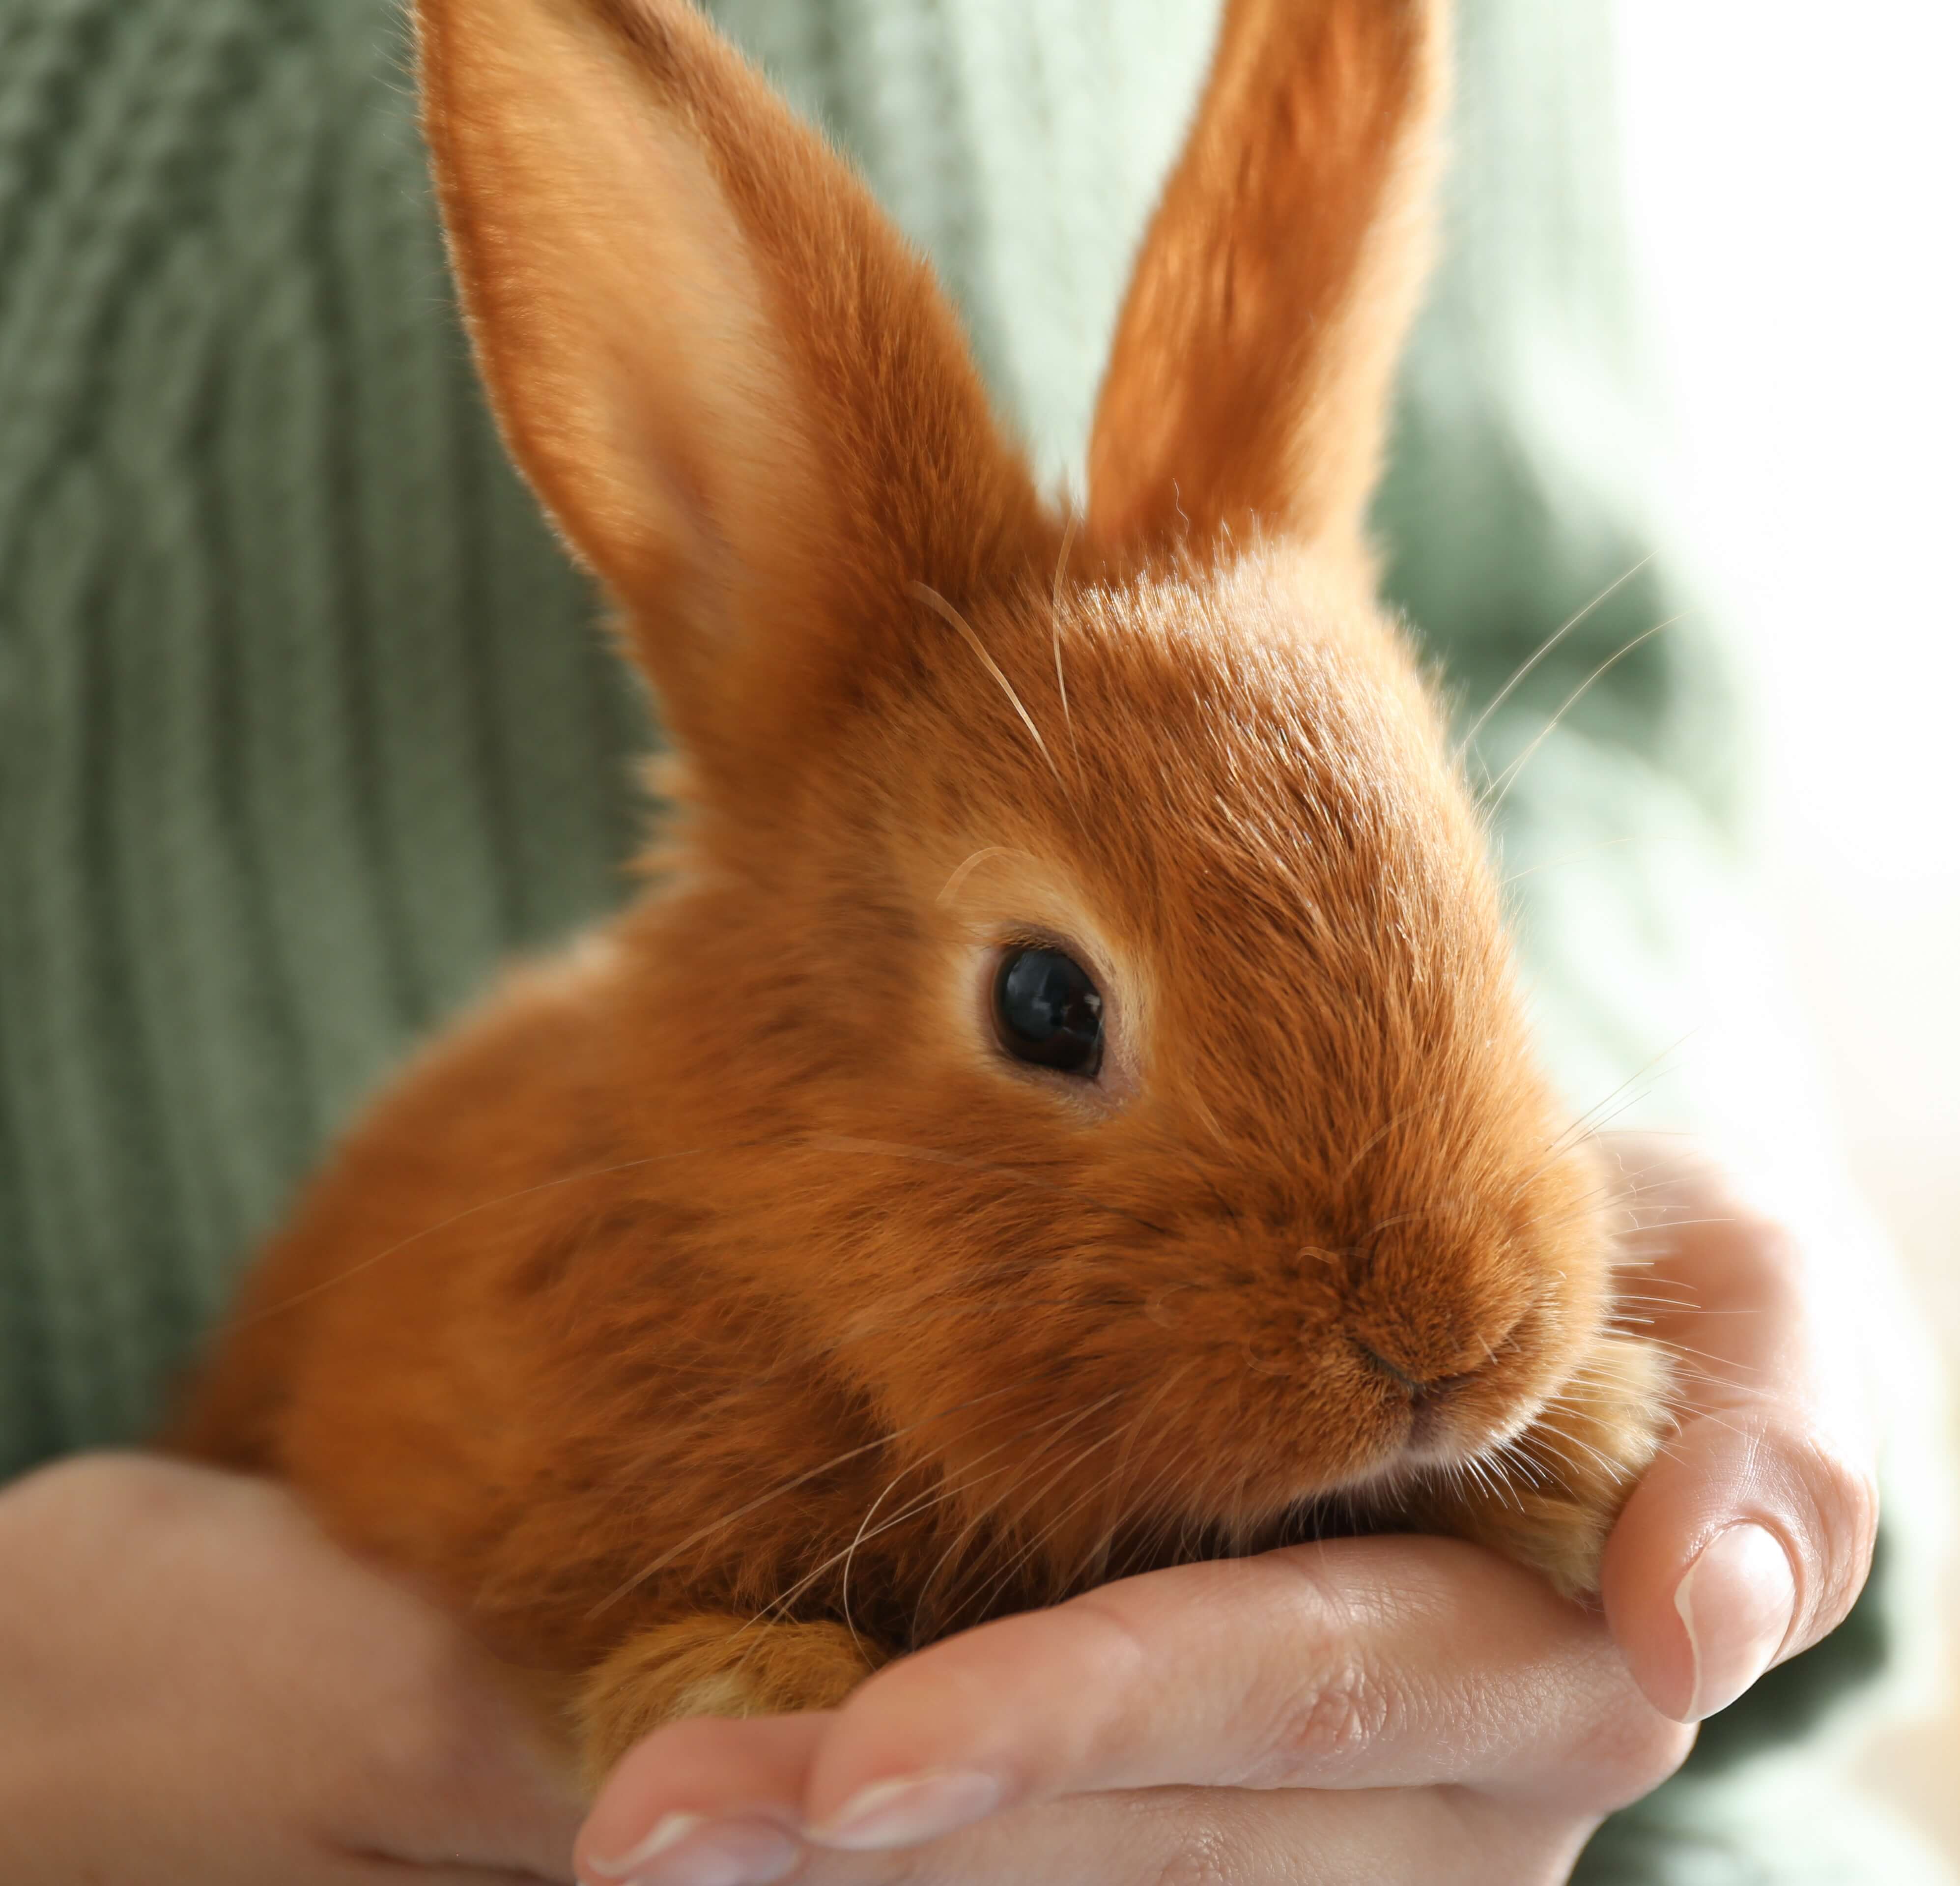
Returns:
(304, 718)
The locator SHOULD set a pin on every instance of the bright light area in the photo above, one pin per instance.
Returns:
(1795, 172)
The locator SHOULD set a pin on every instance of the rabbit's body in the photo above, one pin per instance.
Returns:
(746, 1299)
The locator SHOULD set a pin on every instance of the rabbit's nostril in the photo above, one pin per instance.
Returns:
(1417, 1387)
(1418, 1390)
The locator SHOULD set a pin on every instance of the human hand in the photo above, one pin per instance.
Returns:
(1368, 1709)
(197, 1688)
(1750, 1535)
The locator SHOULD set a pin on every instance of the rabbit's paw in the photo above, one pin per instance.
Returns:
(1550, 1497)
(712, 1664)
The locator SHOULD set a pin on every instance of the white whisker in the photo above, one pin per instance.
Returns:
(1054, 618)
(1543, 649)
(938, 603)
(1494, 795)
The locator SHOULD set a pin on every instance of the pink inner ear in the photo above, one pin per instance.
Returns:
(623, 325)
(742, 398)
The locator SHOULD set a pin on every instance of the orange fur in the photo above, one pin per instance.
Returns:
(719, 1311)
(1254, 358)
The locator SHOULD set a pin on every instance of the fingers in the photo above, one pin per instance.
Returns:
(1752, 1534)
(1362, 1664)
(698, 1790)
(391, 1872)
(1251, 1837)
(1208, 1837)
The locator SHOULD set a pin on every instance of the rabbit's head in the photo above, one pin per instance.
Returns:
(1077, 960)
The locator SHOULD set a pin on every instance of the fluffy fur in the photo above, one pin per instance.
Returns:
(719, 1311)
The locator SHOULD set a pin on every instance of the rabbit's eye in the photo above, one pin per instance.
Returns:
(1048, 1011)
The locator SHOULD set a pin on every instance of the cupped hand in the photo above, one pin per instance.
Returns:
(1750, 1535)
(1365, 1710)
(1369, 1710)
(197, 1688)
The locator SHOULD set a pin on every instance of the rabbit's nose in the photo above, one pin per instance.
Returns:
(1426, 1362)
(1418, 1388)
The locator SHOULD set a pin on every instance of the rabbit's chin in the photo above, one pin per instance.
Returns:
(1502, 1435)
(1543, 1487)
(1433, 1451)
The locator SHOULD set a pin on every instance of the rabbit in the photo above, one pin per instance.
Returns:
(1060, 1102)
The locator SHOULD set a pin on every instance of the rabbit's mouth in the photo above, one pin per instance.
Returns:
(1460, 1415)
(1411, 1423)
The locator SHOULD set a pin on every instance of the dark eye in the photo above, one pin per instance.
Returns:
(1048, 1011)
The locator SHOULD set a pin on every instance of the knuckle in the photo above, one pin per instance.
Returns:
(1332, 1722)
(1198, 1856)
(1190, 1836)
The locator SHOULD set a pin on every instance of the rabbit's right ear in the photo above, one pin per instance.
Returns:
(743, 399)
(1254, 361)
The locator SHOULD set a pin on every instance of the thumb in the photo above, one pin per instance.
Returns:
(1750, 1535)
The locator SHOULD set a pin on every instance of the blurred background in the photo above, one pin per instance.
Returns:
(1795, 201)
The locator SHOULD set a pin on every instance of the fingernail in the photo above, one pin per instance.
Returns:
(688, 1849)
(1737, 1601)
(908, 1809)
(669, 1830)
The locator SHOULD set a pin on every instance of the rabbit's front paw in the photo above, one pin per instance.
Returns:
(1549, 1499)
(713, 1664)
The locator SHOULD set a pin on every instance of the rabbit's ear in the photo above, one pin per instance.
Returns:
(1255, 357)
(743, 397)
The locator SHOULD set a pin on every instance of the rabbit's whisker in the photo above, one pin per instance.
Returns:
(1393, 1125)
(1570, 858)
(957, 882)
(943, 1492)
(1589, 1121)
(938, 603)
(1494, 795)
(702, 1534)
(1543, 649)
(1055, 618)
(779, 1605)
(1083, 1415)
(1005, 1573)
(1032, 1498)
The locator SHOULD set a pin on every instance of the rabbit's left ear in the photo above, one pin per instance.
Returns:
(1254, 357)
(743, 398)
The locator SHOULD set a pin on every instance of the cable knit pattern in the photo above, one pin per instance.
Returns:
(304, 720)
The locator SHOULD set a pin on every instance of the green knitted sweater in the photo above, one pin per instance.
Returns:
(304, 724)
